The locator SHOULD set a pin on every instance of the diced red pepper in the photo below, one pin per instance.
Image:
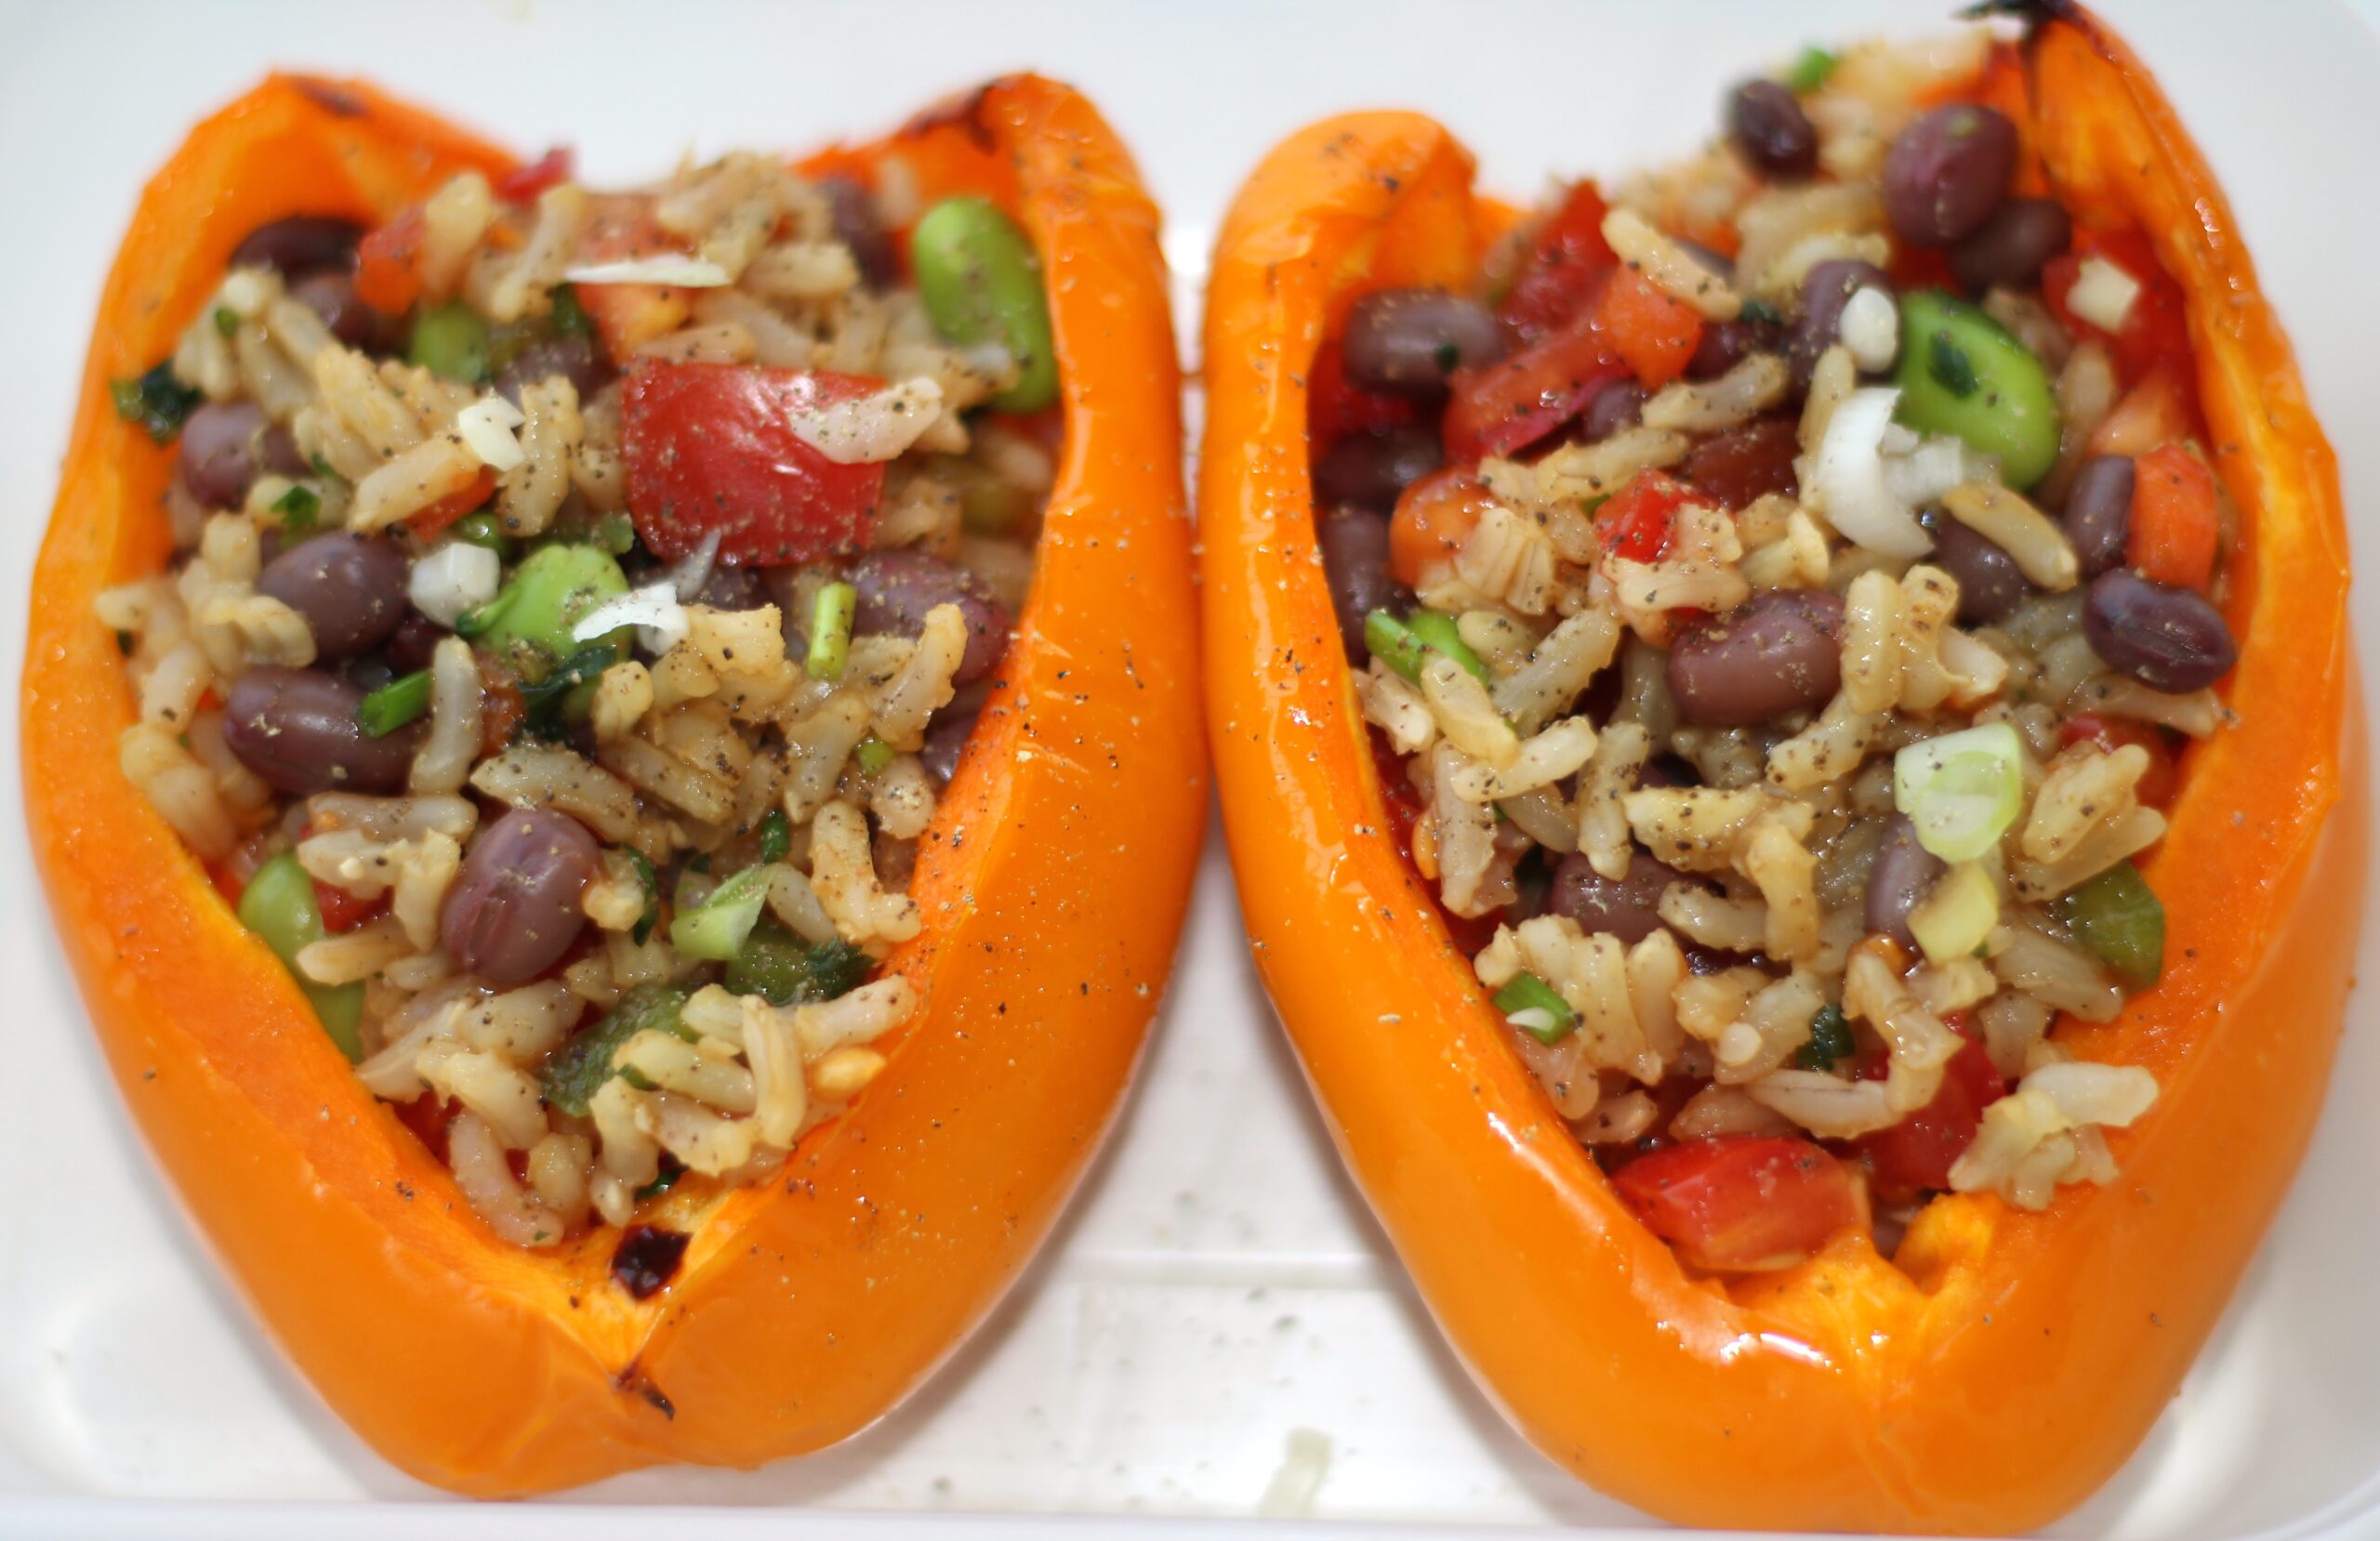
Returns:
(2155, 334)
(341, 911)
(628, 315)
(1513, 404)
(2156, 785)
(1655, 333)
(2174, 519)
(711, 446)
(1637, 521)
(384, 264)
(1741, 1203)
(1916, 1153)
(453, 506)
(1566, 264)
(524, 184)
(1337, 408)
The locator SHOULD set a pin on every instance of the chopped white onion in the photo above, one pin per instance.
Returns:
(879, 425)
(1849, 477)
(1921, 472)
(659, 619)
(671, 268)
(486, 425)
(2103, 294)
(1869, 326)
(689, 575)
(453, 578)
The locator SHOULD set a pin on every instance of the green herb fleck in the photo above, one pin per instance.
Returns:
(156, 401)
(1949, 365)
(1829, 1041)
(569, 318)
(227, 321)
(574, 1073)
(1760, 309)
(776, 836)
(651, 882)
(301, 509)
(1809, 71)
(670, 1173)
(874, 754)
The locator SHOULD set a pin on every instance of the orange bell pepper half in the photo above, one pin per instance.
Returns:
(2008, 1361)
(805, 1308)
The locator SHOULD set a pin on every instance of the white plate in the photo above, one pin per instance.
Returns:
(1218, 1284)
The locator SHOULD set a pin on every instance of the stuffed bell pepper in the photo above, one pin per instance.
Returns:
(584, 744)
(1787, 732)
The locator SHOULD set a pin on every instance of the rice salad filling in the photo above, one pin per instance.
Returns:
(1782, 591)
(579, 602)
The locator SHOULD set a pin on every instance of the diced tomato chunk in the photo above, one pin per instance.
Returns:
(2174, 519)
(2156, 331)
(1654, 334)
(2154, 412)
(1434, 517)
(1514, 402)
(1741, 1203)
(453, 506)
(1337, 408)
(341, 911)
(523, 184)
(2156, 785)
(628, 315)
(711, 446)
(1637, 521)
(384, 264)
(1916, 1153)
(1565, 265)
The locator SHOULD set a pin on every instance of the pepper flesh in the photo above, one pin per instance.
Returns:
(2012, 1361)
(803, 1309)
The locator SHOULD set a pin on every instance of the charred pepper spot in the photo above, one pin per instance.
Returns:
(647, 1259)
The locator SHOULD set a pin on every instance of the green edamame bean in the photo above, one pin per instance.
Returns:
(278, 905)
(450, 340)
(1963, 373)
(982, 284)
(544, 599)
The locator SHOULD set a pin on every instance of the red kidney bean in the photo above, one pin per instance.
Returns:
(947, 734)
(219, 450)
(1409, 340)
(331, 296)
(1990, 581)
(2010, 249)
(297, 730)
(1371, 469)
(1775, 653)
(1354, 562)
(513, 909)
(2098, 512)
(1946, 172)
(1628, 908)
(1730, 343)
(282, 456)
(732, 588)
(1770, 131)
(898, 585)
(1826, 289)
(1903, 871)
(351, 588)
(577, 358)
(409, 647)
(1617, 405)
(1738, 467)
(302, 244)
(2166, 638)
(853, 207)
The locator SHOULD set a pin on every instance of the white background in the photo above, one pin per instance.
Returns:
(1218, 1284)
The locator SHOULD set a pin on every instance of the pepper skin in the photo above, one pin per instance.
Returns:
(806, 1307)
(2020, 1358)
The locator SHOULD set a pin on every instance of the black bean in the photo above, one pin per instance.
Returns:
(1730, 343)
(1628, 908)
(1945, 173)
(2098, 512)
(1990, 581)
(1777, 653)
(2012, 247)
(1826, 290)
(331, 296)
(1617, 405)
(351, 588)
(1371, 469)
(898, 585)
(297, 730)
(513, 909)
(577, 358)
(1409, 340)
(220, 452)
(1354, 562)
(858, 227)
(1902, 872)
(947, 734)
(2166, 638)
(1770, 131)
(294, 248)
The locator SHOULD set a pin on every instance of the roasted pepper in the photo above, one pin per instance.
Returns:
(803, 1309)
(2004, 1363)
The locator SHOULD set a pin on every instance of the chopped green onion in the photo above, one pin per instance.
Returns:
(874, 754)
(776, 836)
(1757, 310)
(667, 1176)
(831, 631)
(450, 340)
(651, 882)
(485, 530)
(279, 905)
(301, 509)
(227, 321)
(615, 533)
(1536, 1009)
(1439, 633)
(1831, 1041)
(394, 704)
(2117, 917)
(714, 929)
(1809, 71)
(1962, 790)
(1955, 918)
(156, 401)
(1392, 642)
(569, 318)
